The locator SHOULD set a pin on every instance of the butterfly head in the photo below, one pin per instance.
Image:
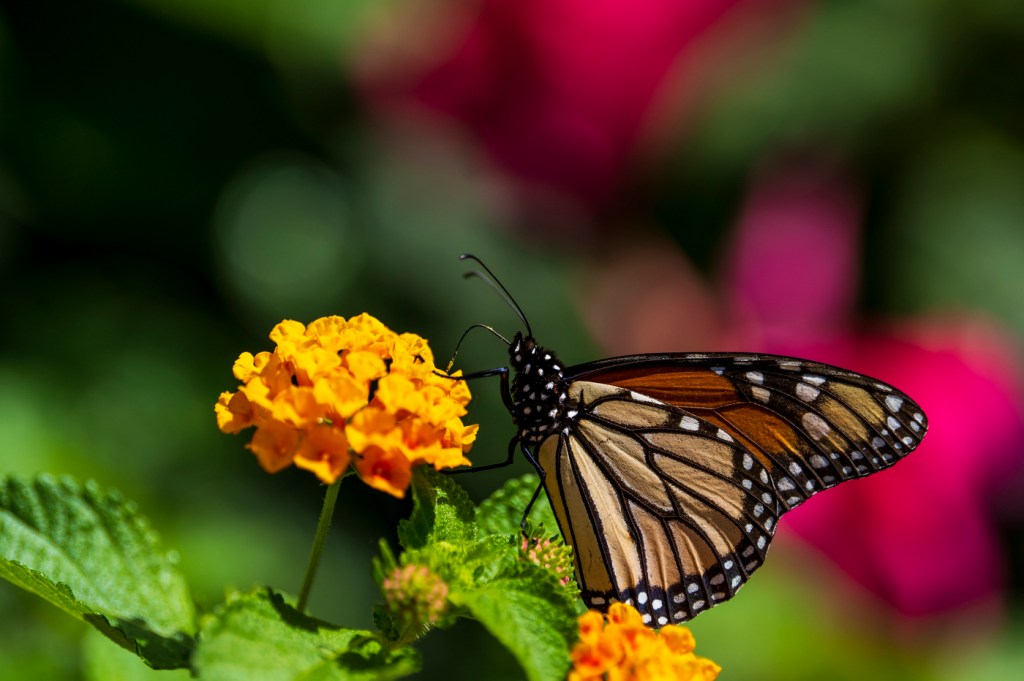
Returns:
(538, 389)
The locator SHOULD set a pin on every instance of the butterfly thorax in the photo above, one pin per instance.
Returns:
(538, 390)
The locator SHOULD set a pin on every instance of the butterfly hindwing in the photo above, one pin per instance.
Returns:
(665, 510)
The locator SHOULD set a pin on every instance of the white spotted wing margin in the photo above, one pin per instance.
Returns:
(665, 510)
(841, 425)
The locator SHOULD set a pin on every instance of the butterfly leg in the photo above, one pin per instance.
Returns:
(506, 397)
(491, 466)
(540, 471)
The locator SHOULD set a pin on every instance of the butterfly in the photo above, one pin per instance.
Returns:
(668, 473)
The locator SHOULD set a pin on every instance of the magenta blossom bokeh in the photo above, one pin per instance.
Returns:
(557, 91)
(920, 536)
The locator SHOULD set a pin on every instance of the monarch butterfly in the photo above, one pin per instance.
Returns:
(668, 473)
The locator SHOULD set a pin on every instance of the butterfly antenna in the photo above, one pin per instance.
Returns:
(496, 284)
(451, 362)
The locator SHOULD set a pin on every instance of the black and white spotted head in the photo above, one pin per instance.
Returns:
(538, 390)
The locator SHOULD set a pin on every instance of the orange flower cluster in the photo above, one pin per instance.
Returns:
(348, 391)
(623, 649)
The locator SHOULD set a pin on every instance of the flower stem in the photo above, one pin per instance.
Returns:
(322, 526)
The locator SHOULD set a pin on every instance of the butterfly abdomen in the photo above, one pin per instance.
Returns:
(538, 390)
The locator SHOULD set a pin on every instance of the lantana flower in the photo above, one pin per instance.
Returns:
(621, 647)
(340, 392)
(550, 554)
(415, 596)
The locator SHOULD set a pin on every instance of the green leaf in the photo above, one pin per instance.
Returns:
(502, 512)
(89, 552)
(531, 617)
(259, 636)
(103, 662)
(441, 512)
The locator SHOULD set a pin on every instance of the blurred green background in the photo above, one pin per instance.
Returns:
(177, 176)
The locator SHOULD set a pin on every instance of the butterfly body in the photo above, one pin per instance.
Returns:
(538, 391)
(668, 473)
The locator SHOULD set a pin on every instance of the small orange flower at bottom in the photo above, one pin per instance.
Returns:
(623, 648)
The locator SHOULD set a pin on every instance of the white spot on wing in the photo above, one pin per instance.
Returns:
(722, 435)
(689, 423)
(760, 394)
(807, 393)
(814, 380)
(755, 377)
(816, 426)
(893, 403)
(640, 397)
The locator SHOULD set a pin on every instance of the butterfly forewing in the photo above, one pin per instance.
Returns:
(665, 510)
(809, 424)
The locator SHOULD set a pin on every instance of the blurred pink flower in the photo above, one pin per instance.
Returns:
(920, 536)
(557, 90)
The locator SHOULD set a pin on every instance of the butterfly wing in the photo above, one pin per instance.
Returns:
(664, 510)
(673, 470)
(811, 425)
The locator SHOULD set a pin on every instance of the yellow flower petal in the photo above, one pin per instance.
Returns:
(365, 366)
(324, 451)
(388, 471)
(343, 395)
(234, 412)
(274, 445)
(298, 407)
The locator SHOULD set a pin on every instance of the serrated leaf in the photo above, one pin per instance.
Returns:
(502, 512)
(259, 636)
(89, 552)
(442, 511)
(530, 618)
